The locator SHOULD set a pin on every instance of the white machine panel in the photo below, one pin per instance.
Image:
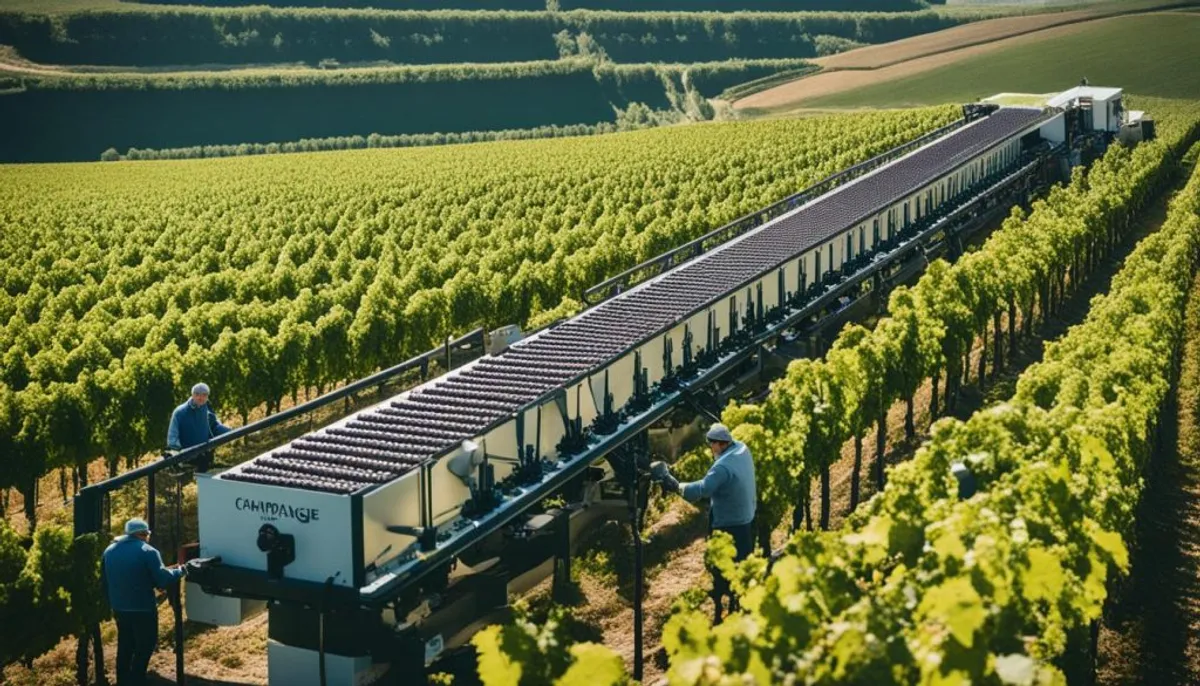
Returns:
(299, 667)
(218, 610)
(397, 503)
(231, 513)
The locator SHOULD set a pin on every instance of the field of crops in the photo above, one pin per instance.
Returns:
(621, 5)
(1005, 582)
(269, 275)
(1154, 51)
(273, 276)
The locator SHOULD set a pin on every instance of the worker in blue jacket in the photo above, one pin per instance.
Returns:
(193, 423)
(129, 572)
(729, 486)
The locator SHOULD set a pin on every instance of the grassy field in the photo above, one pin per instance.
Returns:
(1150, 54)
(982, 32)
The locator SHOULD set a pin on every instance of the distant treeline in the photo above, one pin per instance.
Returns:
(75, 117)
(616, 5)
(147, 37)
(374, 140)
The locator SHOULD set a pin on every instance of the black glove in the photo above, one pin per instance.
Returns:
(662, 474)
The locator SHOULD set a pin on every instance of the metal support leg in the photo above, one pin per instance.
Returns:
(174, 598)
(177, 522)
(562, 557)
(98, 655)
(150, 498)
(81, 659)
(635, 518)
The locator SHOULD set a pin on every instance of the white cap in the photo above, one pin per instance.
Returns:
(719, 432)
(200, 389)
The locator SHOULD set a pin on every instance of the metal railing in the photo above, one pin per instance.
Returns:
(89, 502)
(89, 496)
(694, 248)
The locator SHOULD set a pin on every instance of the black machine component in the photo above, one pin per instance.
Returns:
(279, 547)
(426, 535)
(978, 110)
(966, 480)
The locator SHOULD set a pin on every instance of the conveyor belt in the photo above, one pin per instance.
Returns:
(385, 442)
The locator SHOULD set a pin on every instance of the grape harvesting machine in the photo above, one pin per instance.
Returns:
(392, 535)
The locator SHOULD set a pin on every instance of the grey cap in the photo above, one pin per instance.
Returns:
(136, 526)
(200, 389)
(719, 432)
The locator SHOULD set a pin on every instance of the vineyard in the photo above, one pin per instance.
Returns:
(924, 584)
(972, 437)
(268, 277)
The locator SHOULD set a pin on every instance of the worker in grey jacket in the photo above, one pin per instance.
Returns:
(729, 486)
(129, 572)
(193, 423)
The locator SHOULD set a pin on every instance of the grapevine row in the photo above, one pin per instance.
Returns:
(55, 580)
(1004, 586)
(1001, 588)
(121, 285)
(1023, 272)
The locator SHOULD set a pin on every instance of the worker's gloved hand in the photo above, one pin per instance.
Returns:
(662, 474)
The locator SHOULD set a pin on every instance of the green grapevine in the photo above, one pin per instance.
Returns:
(123, 284)
(921, 586)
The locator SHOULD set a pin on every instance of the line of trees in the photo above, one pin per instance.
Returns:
(256, 36)
(158, 111)
(632, 118)
(611, 5)
(374, 140)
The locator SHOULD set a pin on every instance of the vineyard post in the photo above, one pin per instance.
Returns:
(89, 501)
(635, 520)
(176, 602)
(87, 520)
(151, 518)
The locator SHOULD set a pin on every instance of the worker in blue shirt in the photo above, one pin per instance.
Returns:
(729, 485)
(193, 423)
(129, 572)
